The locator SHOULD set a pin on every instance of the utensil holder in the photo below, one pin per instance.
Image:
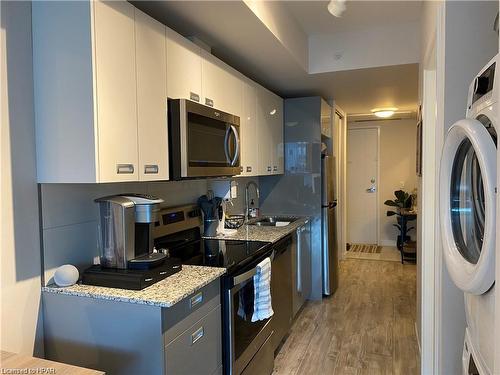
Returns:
(210, 227)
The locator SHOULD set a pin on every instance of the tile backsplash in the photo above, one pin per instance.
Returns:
(69, 216)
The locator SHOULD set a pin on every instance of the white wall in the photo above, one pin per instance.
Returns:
(397, 168)
(385, 45)
(276, 17)
(21, 320)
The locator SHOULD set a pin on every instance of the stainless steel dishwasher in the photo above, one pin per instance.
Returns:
(281, 290)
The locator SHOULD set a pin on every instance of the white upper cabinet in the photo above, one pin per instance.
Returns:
(270, 132)
(221, 87)
(248, 131)
(100, 97)
(183, 68)
(116, 90)
(151, 61)
(277, 123)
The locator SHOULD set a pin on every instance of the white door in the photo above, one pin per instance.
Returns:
(151, 63)
(362, 183)
(467, 205)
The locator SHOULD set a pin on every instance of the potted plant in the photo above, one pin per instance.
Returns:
(403, 201)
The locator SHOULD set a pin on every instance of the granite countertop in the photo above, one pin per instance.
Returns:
(164, 293)
(263, 233)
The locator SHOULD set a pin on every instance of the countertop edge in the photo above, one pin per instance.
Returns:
(218, 272)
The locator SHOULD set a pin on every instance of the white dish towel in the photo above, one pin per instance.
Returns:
(262, 306)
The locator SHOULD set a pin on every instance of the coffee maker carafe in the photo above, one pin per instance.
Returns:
(126, 231)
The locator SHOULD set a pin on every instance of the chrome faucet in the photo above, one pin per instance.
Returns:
(247, 206)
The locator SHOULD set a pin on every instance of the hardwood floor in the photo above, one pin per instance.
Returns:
(367, 327)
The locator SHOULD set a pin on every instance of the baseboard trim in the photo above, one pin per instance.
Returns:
(387, 243)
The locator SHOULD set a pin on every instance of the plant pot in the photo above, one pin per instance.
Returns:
(400, 243)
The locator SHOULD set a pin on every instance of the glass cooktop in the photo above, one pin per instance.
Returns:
(193, 250)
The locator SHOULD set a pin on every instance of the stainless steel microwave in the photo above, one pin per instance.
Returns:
(203, 141)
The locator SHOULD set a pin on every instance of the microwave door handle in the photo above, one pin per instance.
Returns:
(237, 147)
(226, 144)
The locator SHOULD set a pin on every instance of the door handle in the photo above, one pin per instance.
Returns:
(151, 169)
(372, 189)
(226, 144)
(125, 168)
(237, 148)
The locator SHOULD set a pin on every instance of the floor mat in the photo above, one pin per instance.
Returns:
(387, 253)
(364, 248)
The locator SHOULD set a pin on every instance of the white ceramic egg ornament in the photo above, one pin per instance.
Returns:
(66, 275)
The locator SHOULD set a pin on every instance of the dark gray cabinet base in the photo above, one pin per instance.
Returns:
(126, 338)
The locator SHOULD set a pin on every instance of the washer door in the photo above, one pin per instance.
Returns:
(467, 204)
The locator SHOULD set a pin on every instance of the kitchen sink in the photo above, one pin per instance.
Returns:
(275, 221)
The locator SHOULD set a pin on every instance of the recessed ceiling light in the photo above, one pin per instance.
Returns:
(336, 7)
(384, 112)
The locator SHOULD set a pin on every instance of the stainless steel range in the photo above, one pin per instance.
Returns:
(246, 345)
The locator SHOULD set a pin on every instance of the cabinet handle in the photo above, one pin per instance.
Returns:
(151, 169)
(249, 169)
(275, 169)
(196, 300)
(241, 169)
(125, 168)
(194, 96)
(209, 102)
(269, 168)
(196, 335)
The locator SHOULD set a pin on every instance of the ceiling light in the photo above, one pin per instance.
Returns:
(336, 7)
(384, 112)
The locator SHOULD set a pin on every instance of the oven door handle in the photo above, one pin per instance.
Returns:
(249, 274)
(237, 147)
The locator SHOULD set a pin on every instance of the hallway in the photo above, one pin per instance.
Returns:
(367, 327)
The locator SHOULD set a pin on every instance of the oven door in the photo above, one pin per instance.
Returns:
(208, 141)
(245, 337)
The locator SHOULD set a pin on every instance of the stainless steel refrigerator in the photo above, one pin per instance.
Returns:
(330, 259)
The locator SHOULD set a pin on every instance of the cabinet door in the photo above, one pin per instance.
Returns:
(183, 68)
(264, 132)
(150, 43)
(276, 119)
(249, 144)
(221, 88)
(116, 91)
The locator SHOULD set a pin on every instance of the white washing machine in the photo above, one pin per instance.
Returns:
(468, 180)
